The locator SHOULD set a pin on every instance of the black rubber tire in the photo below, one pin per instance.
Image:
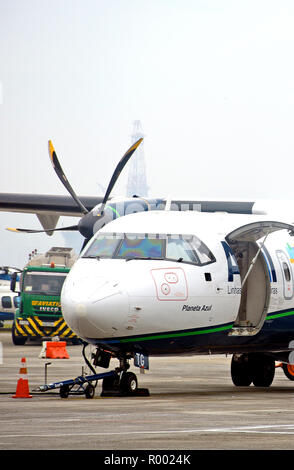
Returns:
(129, 383)
(64, 391)
(240, 370)
(89, 391)
(110, 384)
(17, 340)
(263, 370)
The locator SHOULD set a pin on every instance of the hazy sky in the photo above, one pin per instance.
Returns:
(211, 81)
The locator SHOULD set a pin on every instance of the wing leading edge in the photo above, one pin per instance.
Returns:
(45, 204)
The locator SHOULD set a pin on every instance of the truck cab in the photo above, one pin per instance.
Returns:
(39, 313)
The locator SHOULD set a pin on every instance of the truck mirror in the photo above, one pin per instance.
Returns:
(13, 281)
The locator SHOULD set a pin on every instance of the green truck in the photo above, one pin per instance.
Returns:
(39, 314)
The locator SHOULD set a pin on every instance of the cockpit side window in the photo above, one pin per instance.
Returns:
(189, 249)
(204, 254)
(179, 248)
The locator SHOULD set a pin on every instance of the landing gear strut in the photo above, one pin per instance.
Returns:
(256, 368)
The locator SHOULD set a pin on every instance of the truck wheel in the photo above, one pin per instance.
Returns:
(17, 340)
(75, 341)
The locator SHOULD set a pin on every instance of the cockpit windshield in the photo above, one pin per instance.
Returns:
(180, 248)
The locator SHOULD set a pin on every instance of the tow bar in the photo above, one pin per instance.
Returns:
(81, 385)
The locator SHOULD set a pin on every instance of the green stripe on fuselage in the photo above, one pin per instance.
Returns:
(176, 335)
(280, 315)
(198, 332)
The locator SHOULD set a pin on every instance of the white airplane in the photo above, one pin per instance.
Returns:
(203, 278)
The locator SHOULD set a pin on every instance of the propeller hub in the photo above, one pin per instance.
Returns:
(86, 225)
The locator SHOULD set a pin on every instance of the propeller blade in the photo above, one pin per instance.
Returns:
(60, 173)
(27, 230)
(88, 222)
(121, 164)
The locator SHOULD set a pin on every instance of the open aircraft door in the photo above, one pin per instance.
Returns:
(255, 281)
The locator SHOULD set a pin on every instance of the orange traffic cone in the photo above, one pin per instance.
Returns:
(22, 388)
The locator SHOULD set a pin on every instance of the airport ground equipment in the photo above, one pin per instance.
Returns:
(39, 314)
(117, 382)
(114, 384)
(81, 385)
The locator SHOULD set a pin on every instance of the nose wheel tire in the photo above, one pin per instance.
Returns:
(110, 384)
(125, 386)
(129, 383)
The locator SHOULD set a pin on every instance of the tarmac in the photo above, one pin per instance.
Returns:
(193, 405)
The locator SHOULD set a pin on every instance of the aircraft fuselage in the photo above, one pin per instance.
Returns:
(176, 301)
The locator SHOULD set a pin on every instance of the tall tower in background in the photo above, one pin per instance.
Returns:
(137, 182)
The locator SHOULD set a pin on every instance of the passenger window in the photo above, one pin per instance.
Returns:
(6, 302)
(16, 301)
(286, 272)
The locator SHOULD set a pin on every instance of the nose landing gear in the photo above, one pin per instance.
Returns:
(123, 383)
(119, 382)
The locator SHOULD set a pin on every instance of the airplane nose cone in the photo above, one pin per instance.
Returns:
(94, 306)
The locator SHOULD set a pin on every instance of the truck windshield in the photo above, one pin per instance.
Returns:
(180, 248)
(43, 283)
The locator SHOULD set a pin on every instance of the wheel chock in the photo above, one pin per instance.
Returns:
(140, 392)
